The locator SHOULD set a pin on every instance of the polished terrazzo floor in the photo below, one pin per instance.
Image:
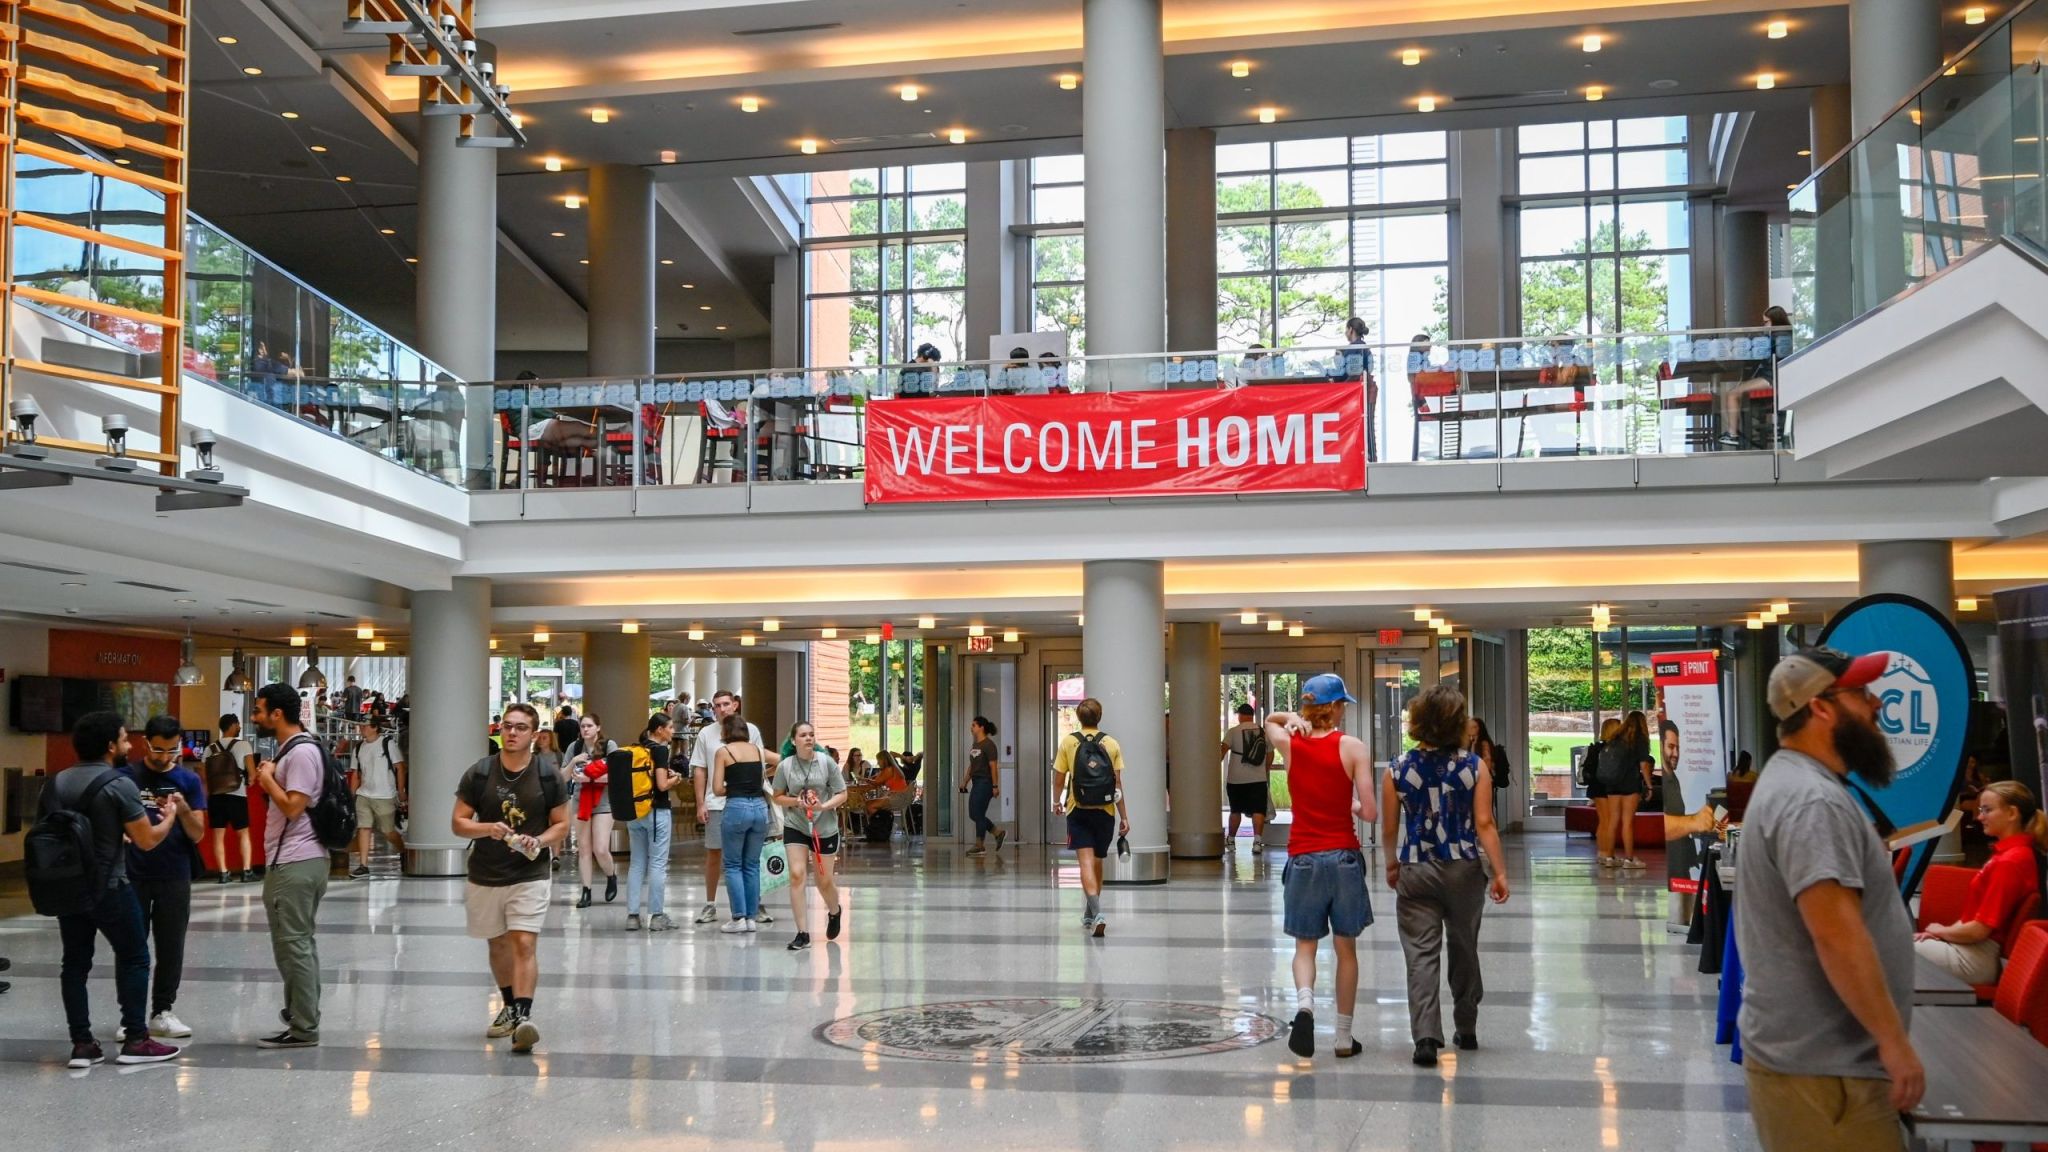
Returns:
(1596, 1030)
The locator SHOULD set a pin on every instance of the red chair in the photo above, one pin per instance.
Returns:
(2023, 989)
(1943, 894)
(619, 469)
(1430, 384)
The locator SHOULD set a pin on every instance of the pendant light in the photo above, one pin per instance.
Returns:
(238, 680)
(312, 677)
(188, 674)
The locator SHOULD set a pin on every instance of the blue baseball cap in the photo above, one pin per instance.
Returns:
(1327, 688)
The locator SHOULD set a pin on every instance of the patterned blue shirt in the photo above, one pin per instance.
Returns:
(1436, 790)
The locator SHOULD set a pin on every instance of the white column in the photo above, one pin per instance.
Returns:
(1124, 660)
(731, 677)
(1195, 662)
(620, 322)
(1123, 141)
(1191, 239)
(457, 292)
(704, 675)
(451, 652)
(1894, 45)
(1922, 569)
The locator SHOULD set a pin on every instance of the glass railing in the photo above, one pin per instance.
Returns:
(1651, 394)
(1957, 165)
(250, 326)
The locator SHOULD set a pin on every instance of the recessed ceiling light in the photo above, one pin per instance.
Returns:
(1765, 81)
(572, 202)
(668, 155)
(289, 115)
(583, 261)
(123, 161)
(542, 636)
(1268, 115)
(317, 148)
(1411, 56)
(1276, 625)
(1973, 15)
(229, 40)
(1296, 631)
(696, 633)
(74, 583)
(252, 70)
(703, 307)
(747, 640)
(957, 136)
(1069, 81)
(1591, 43)
(771, 625)
(1775, 30)
(552, 163)
(1426, 104)
(668, 261)
(1240, 68)
(600, 116)
(1966, 603)
(909, 93)
(558, 235)
(828, 633)
(1247, 617)
(1009, 635)
(376, 645)
(1806, 151)
(1596, 93)
(344, 179)
(518, 121)
(1792, 187)
(721, 327)
(927, 622)
(412, 259)
(807, 147)
(750, 103)
(629, 628)
(387, 231)
(365, 632)
(185, 600)
(689, 285)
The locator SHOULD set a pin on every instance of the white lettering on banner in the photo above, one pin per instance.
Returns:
(954, 448)
(1195, 439)
(1326, 435)
(1140, 444)
(1243, 428)
(916, 448)
(1107, 456)
(1045, 442)
(981, 465)
(1011, 463)
(1277, 447)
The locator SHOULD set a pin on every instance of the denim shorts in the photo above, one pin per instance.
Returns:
(1325, 893)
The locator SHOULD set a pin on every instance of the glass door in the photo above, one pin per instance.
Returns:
(991, 692)
(1278, 689)
(1064, 690)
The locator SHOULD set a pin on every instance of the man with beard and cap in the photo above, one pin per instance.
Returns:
(1829, 985)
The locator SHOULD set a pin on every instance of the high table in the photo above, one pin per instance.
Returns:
(1937, 987)
(1984, 1078)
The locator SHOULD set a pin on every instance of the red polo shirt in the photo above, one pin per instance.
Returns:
(2011, 875)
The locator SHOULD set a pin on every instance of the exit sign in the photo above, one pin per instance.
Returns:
(980, 645)
(1389, 637)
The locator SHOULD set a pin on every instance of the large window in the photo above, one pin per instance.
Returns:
(1058, 266)
(1605, 233)
(1311, 232)
(885, 256)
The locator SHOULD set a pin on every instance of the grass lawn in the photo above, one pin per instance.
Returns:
(867, 734)
(1553, 750)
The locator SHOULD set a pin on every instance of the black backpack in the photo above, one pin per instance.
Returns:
(1094, 775)
(1589, 764)
(1256, 752)
(66, 876)
(333, 813)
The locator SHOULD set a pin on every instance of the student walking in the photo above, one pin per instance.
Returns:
(982, 785)
(513, 813)
(295, 875)
(710, 806)
(739, 774)
(380, 791)
(227, 808)
(809, 789)
(1329, 775)
(1246, 776)
(113, 807)
(585, 765)
(1088, 786)
(1439, 820)
(651, 834)
(162, 875)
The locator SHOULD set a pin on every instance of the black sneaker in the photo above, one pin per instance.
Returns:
(1301, 1035)
(224, 878)
(832, 919)
(360, 872)
(802, 941)
(286, 1039)
(1466, 1041)
(1425, 1053)
(85, 1054)
(249, 876)
(1347, 1047)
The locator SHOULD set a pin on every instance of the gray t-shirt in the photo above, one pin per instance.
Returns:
(118, 804)
(1802, 828)
(820, 774)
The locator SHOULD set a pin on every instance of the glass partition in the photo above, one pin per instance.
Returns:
(1665, 393)
(1957, 165)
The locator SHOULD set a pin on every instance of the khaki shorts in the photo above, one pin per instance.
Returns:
(1822, 1113)
(512, 908)
(381, 815)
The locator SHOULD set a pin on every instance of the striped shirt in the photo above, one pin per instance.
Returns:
(1436, 789)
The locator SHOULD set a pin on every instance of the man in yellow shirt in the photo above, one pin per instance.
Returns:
(1088, 783)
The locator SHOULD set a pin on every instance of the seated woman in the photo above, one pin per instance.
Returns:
(1969, 949)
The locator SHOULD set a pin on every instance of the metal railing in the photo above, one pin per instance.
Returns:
(1956, 165)
(1639, 394)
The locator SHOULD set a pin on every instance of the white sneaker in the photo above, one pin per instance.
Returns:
(1610, 861)
(1633, 865)
(166, 1023)
(735, 927)
(752, 925)
(1258, 845)
(708, 915)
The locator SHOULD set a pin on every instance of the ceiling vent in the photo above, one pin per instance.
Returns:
(257, 603)
(788, 28)
(40, 568)
(149, 586)
(899, 138)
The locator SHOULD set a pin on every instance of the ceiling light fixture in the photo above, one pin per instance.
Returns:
(1268, 114)
(957, 136)
(229, 40)
(1966, 603)
(1240, 68)
(1591, 43)
(1595, 93)
(188, 674)
(1806, 151)
(344, 179)
(807, 147)
(746, 640)
(696, 633)
(298, 640)
(252, 70)
(771, 625)
(1296, 631)
(1765, 81)
(872, 638)
(927, 623)
(1973, 15)
(289, 115)
(412, 259)
(689, 285)
(703, 307)
(600, 116)
(1781, 607)
(1426, 104)
(494, 643)
(1410, 57)
(1247, 617)
(552, 163)
(317, 148)
(572, 202)
(721, 327)
(238, 680)
(1768, 617)
(909, 93)
(1069, 81)
(1423, 615)
(365, 632)
(750, 103)
(542, 636)
(558, 235)
(518, 121)
(668, 261)
(313, 677)
(828, 633)
(376, 645)
(668, 155)
(1276, 625)
(1775, 30)
(629, 627)
(387, 231)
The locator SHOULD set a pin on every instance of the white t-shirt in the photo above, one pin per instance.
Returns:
(1239, 772)
(239, 751)
(377, 780)
(708, 744)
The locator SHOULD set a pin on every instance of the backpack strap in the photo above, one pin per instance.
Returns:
(92, 791)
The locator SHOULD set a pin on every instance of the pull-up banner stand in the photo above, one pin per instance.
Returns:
(1923, 709)
(1693, 752)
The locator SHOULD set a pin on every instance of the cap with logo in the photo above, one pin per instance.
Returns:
(1327, 688)
(1808, 673)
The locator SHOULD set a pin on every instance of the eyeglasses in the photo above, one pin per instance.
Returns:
(515, 727)
(173, 750)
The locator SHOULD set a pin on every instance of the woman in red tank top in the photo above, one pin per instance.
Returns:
(1330, 777)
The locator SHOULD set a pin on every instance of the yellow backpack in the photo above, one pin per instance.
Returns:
(630, 777)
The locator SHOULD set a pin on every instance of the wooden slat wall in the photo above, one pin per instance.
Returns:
(112, 74)
(830, 693)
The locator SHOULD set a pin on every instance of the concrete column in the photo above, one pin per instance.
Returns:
(1745, 268)
(615, 675)
(704, 675)
(991, 256)
(786, 313)
(1191, 239)
(621, 315)
(1828, 126)
(1195, 665)
(731, 674)
(456, 303)
(1124, 660)
(1922, 569)
(1123, 133)
(1481, 310)
(451, 654)
(1894, 45)
(1827, 123)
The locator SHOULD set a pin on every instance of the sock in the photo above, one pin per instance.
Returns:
(1343, 1027)
(1305, 999)
(1094, 906)
(505, 991)
(523, 1005)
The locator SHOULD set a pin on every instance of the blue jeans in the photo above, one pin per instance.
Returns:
(979, 792)
(118, 916)
(650, 837)
(746, 828)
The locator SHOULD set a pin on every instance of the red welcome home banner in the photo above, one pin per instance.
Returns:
(1265, 438)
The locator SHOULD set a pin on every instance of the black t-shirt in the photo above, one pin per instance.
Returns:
(117, 804)
(567, 732)
(523, 800)
(981, 760)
